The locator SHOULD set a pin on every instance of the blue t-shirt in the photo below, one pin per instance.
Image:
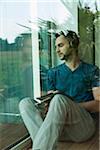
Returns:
(78, 83)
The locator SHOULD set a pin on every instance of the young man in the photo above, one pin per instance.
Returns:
(70, 115)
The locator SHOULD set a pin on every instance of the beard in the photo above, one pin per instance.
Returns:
(63, 57)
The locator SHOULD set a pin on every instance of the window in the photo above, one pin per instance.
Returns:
(16, 79)
(27, 50)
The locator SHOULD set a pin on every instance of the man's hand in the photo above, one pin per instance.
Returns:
(52, 91)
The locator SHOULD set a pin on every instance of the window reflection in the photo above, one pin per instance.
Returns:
(15, 73)
(46, 44)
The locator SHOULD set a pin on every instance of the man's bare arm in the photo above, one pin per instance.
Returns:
(94, 105)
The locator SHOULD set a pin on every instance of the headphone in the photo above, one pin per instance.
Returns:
(73, 39)
(71, 36)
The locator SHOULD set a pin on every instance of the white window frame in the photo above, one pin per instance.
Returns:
(35, 52)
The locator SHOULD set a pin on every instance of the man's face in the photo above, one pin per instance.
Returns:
(62, 48)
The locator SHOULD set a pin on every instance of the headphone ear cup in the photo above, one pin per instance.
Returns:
(71, 44)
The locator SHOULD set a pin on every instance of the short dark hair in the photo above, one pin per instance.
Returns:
(71, 36)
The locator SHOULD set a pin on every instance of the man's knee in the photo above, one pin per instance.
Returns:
(24, 104)
(59, 99)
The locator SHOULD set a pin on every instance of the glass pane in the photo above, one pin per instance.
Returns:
(89, 31)
(86, 30)
(45, 53)
(15, 67)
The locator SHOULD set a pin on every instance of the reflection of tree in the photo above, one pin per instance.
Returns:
(86, 30)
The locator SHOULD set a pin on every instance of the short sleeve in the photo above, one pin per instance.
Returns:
(96, 77)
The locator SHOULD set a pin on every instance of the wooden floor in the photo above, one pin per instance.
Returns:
(9, 133)
(92, 144)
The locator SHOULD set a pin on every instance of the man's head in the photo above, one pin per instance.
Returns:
(66, 44)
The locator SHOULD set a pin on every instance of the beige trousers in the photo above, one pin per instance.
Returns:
(65, 119)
